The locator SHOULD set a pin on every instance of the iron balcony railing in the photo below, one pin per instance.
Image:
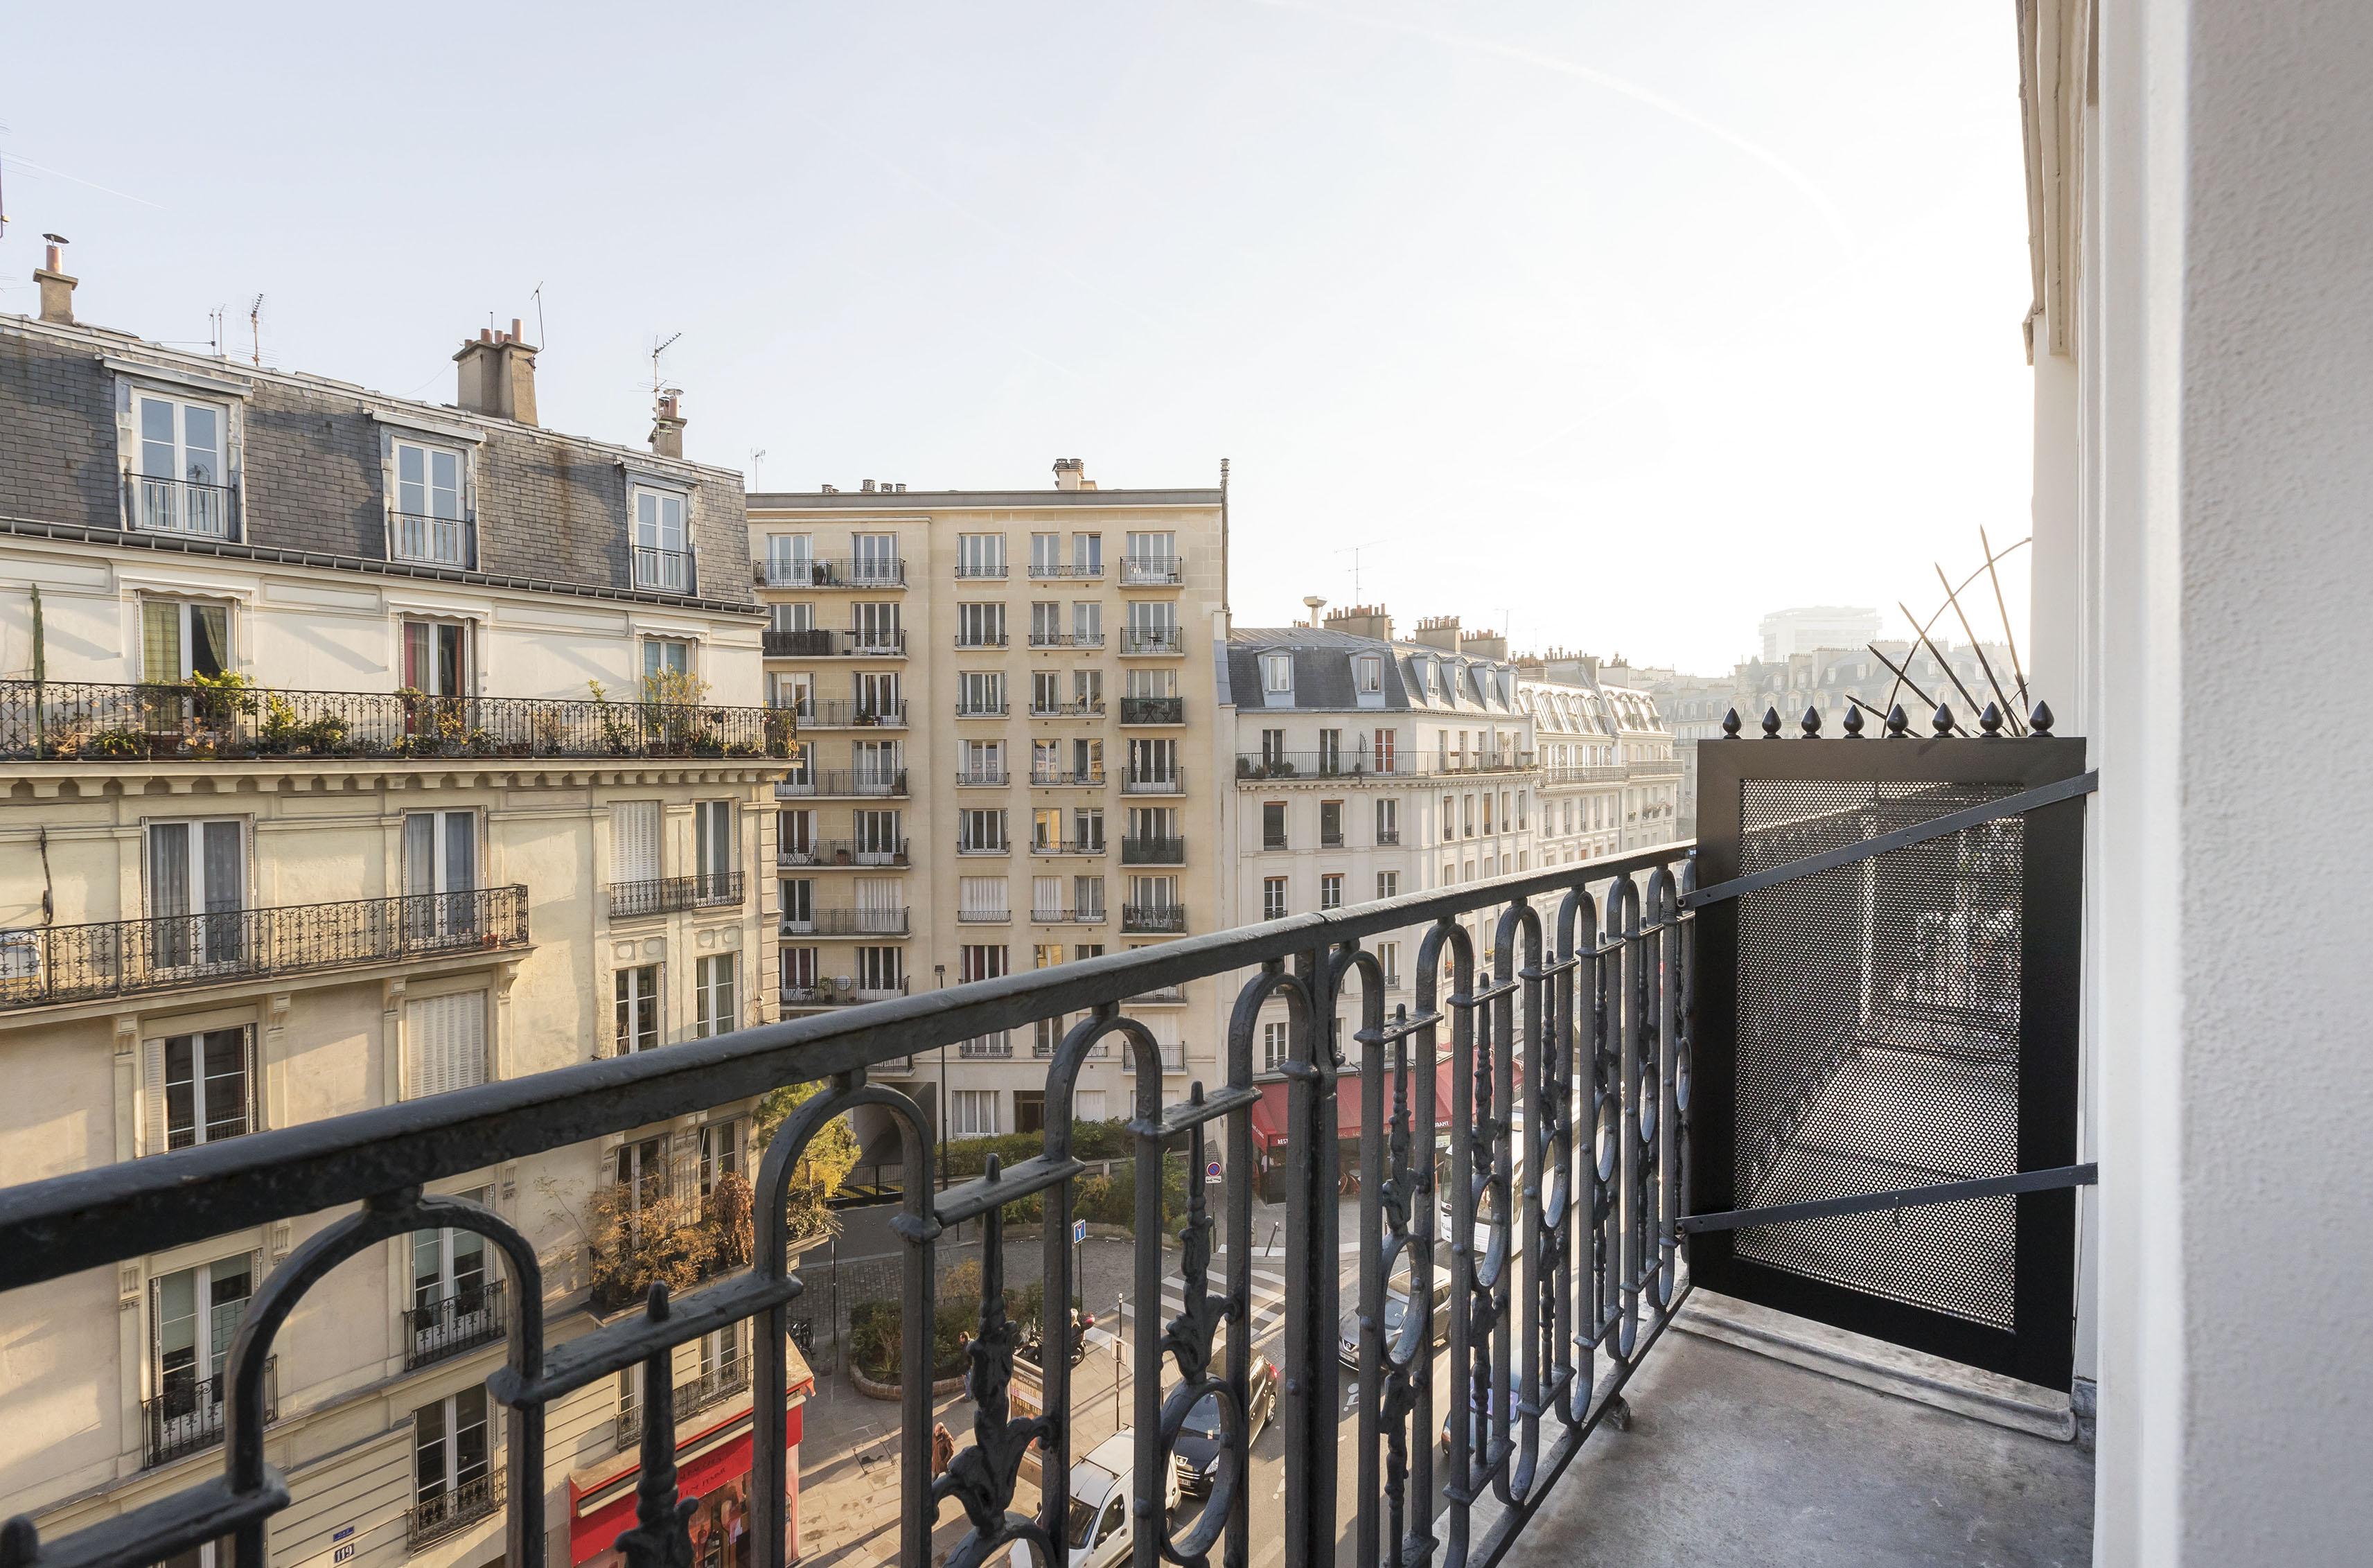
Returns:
(980, 640)
(821, 852)
(445, 1512)
(980, 571)
(1568, 1065)
(1073, 571)
(1086, 708)
(832, 642)
(229, 720)
(984, 917)
(1089, 916)
(840, 573)
(1153, 918)
(668, 571)
(1043, 1050)
(840, 713)
(1153, 641)
(1052, 777)
(984, 846)
(673, 894)
(1358, 762)
(1161, 995)
(714, 1386)
(463, 1322)
(185, 1416)
(1066, 639)
(989, 1047)
(1152, 781)
(1388, 835)
(1153, 710)
(1153, 851)
(1173, 1058)
(983, 778)
(183, 506)
(847, 922)
(1149, 571)
(1595, 773)
(1667, 767)
(843, 783)
(42, 966)
(981, 709)
(833, 993)
(436, 541)
(1067, 846)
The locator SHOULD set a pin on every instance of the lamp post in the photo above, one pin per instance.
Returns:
(940, 978)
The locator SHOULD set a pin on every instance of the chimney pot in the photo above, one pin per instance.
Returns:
(57, 288)
(515, 335)
(497, 377)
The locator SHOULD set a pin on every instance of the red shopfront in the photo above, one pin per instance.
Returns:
(1270, 1115)
(712, 1467)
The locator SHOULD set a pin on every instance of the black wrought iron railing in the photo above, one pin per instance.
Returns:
(1049, 778)
(818, 852)
(42, 965)
(847, 922)
(847, 782)
(981, 709)
(185, 1415)
(1066, 571)
(1153, 851)
(714, 1386)
(672, 894)
(1149, 571)
(842, 573)
(442, 1513)
(1092, 916)
(1568, 1083)
(1066, 639)
(842, 713)
(832, 642)
(1153, 641)
(439, 540)
(1153, 918)
(832, 993)
(1153, 781)
(1086, 707)
(463, 1322)
(1357, 762)
(1067, 846)
(981, 916)
(1153, 710)
(1590, 773)
(182, 506)
(229, 720)
(983, 778)
(668, 571)
(984, 846)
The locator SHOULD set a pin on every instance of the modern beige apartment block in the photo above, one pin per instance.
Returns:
(326, 785)
(1008, 704)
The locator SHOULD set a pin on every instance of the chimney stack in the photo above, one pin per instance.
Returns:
(667, 426)
(57, 288)
(498, 375)
(1439, 631)
(1361, 620)
(1483, 644)
(1071, 474)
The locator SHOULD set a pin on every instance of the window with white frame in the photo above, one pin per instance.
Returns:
(980, 555)
(714, 1010)
(664, 657)
(980, 625)
(452, 1453)
(1389, 819)
(980, 692)
(662, 548)
(449, 1266)
(430, 493)
(1276, 672)
(1367, 675)
(1388, 885)
(1273, 898)
(201, 1087)
(440, 872)
(182, 637)
(791, 560)
(880, 968)
(1275, 1046)
(436, 661)
(1388, 958)
(444, 1043)
(714, 857)
(982, 961)
(981, 831)
(637, 994)
(972, 1113)
(181, 474)
(1330, 891)
(197, 885)
(193, 1314)
(721, 1145)
(873, 557)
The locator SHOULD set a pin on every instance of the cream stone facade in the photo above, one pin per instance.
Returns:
(1010, 714)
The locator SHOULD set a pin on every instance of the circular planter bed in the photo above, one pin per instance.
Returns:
(892, 1392)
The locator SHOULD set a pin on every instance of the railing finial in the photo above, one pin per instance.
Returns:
(1991, 721)
(1730, 725)
(1854, 720)
(1897, 722)
(1943, 722)
(1771, 723)
(2039, 721)
(1811, 722)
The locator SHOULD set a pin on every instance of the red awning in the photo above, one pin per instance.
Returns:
(1269, 1118)
(602, 1508)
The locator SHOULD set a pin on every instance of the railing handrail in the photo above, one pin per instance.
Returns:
(670, 895)
(1359, 761)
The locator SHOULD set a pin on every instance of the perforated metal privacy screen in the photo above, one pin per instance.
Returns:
(1877, 1039)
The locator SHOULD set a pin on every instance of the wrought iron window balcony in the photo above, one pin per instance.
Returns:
(980, 640)
(832, 642)
(432, 1518)
(843, 713)
(993, 1048)
(1330, 841)
(1066, 639)
(983, 778)
(1160, 996)
(436, 541)
(848, 922)
(984, 917)
(1153, 710)
(1173, 1057)
(842, 783)
(1387, 837)
(714, 1386)
(1060, 572)
(836, 573)
(202, 721)
(1668, 768)
(854, 852)
(984, 847)
(1094, 917)
(981, 573)
(1609, 773)
(44, 966)
(458, 1322)
(1134, 782)
(1153, 919)
(1150, 571)
(1043, 1050)
(673, 894)
(1153, 851)
(982, 710)
(189, 507)
(185, 1416)
(1274, 841)
(1357, 763)
(668, 571)
(1087, 710)
(1066, 847)
(1159, 642)
(1063, 778)
(830, 994)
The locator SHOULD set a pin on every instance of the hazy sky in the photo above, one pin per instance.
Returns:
(1620, 322)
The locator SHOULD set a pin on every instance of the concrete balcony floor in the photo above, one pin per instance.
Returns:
(1733, 1457)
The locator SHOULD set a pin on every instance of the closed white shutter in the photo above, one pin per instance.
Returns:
(446, 1038)
(635, 841)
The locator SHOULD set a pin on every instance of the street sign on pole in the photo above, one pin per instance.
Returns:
(1079, 1232)
(1211, 1173)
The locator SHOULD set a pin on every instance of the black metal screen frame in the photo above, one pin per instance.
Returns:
(2039, 1347)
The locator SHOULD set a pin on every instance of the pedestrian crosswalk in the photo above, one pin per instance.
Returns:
(1266, 1287)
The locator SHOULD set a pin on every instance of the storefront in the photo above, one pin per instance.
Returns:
(1270, 1120)
(712, 1464)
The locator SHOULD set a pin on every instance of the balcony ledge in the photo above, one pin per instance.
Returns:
(426, 965)
(99, 777)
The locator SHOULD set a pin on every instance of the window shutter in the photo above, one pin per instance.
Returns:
(152, 1053)
(635, 841)
(446, 1039)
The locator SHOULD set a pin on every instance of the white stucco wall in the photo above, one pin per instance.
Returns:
(2223, 568)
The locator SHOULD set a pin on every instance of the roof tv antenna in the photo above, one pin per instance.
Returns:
(255, 330)
(1353, 551)
(757, 461)
(657, 349)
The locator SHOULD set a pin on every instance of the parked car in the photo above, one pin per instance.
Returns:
(1195, 1457)
(1098, 1532)
(1396, 1305)
(1509, 1379)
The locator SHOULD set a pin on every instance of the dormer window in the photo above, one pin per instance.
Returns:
(662, 546)
(1276, 672)
(430, 524)
(181, 477)
(1367, 675)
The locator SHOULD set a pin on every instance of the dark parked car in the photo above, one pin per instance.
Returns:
(1396, 1305)
(1196, 1452)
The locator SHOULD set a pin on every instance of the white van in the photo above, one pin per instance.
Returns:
(1099, 1531)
